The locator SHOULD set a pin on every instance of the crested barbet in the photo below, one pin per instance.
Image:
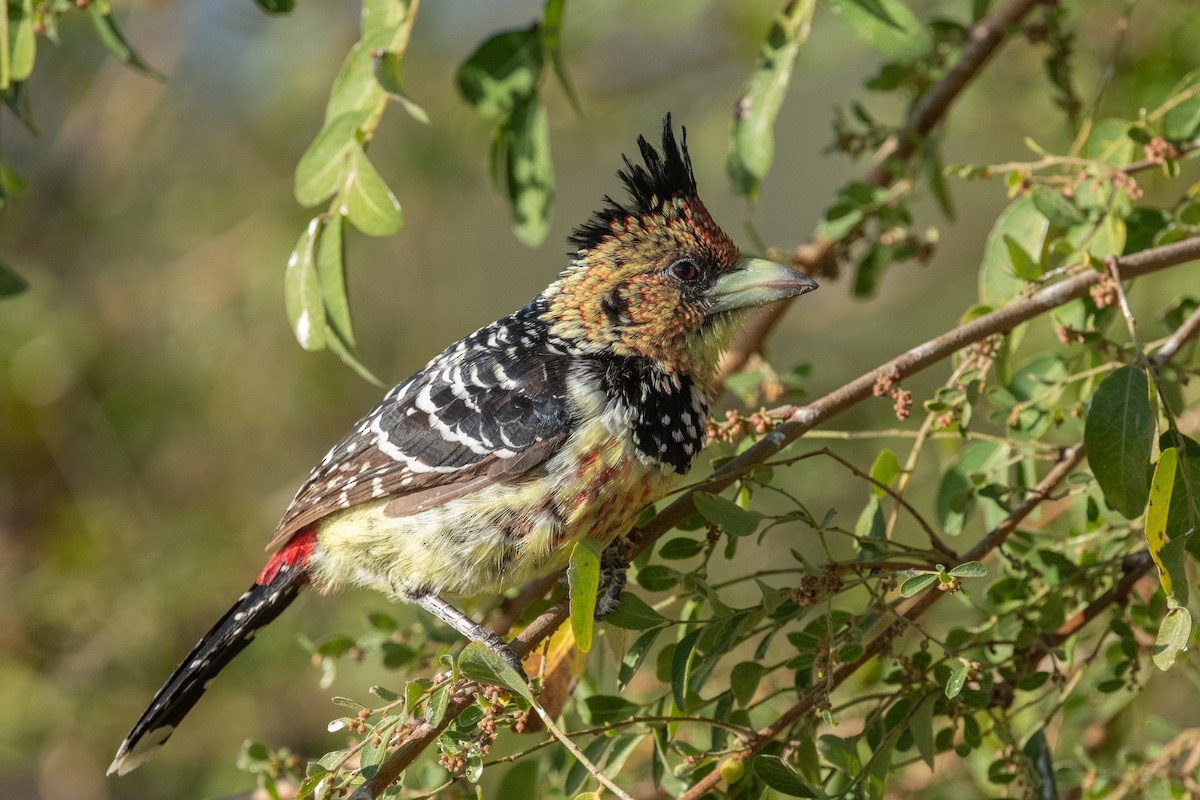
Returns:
(560, 421)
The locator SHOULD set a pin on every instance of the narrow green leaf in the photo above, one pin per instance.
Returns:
(680, 547)
(752, 145)
(355, 89)
(730, 517)
(502, 72)
(920, 725)
(386, 66)
(478, 663)
(348, 355)
(743, 680)
(114, 41)
(958, 677)
(551, 33)
(1119, 435)
(970, 569)
(528, 170)
(1161, 486)
(601, 709)
(1184, 514)
(11, 283)
(302, 291)
(636, 656)
(1023, 265)
(1174, 633)
(681, 666)
(318, 174)
(886, 26)
(779, 775)
(439, 700)
(583, 578)
(331, 269)
(916, 583)
(22, 43)
(364, 197)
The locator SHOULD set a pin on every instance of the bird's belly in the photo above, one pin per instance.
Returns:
(499, 537)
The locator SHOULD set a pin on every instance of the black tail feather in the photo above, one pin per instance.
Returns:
(261, 604)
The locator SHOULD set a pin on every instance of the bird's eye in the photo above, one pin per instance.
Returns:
(685, 269)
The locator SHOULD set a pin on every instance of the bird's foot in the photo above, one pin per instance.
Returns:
(614, 565)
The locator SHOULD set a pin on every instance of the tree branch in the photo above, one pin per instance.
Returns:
(800, 420)
(983, 40)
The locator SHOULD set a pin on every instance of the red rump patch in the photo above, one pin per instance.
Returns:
(293, 554)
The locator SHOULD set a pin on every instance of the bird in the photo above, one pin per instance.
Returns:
(562, 420)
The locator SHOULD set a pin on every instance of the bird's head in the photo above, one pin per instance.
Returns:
(657, 277)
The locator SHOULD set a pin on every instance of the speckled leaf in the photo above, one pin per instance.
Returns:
(302, 291)
(1119, 435)
(528, 170)
(502, 72)
(583, 578)
(1170, 575)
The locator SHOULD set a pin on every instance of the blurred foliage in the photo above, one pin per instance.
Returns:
(154, 416)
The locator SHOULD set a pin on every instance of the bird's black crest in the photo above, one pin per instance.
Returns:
(664, 176)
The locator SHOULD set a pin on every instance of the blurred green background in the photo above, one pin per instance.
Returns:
(156, 414)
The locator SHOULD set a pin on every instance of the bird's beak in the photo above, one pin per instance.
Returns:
(756, 282)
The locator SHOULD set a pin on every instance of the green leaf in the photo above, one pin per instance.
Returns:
(958, 677)
(331, 270)
(1170, 575)
(886, 26)
(1025, 226)
(502, 72)
(1181, 123)
(11, 283)
(522, 779)
(318, 174)
(583, 578)
(1119, 436)
(634, 614)
(1057, 209)
(779, 775)
(681, 666)
(528, 170)
(680, 547)
(743, 680)
(551, 33)
(920, 725)
(916, 583)
(970, 569)
(439, 701)
(752, 145)
(1023, 265)
(636, 656)
(386, 66)
(730, 517)
(885, 469)
(380, 14)
(601, 709)
(114, 41)
(276, 6)
(302, 291)
(364, 197)
(957, 493)
(22, 43)
(1041, 761)
(355, 88)
(479, 663)
(348, 355)
(1184, 514)
(1173, 636)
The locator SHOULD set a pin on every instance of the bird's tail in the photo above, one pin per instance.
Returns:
(275, 589)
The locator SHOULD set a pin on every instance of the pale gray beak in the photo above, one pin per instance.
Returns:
(756, 282)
